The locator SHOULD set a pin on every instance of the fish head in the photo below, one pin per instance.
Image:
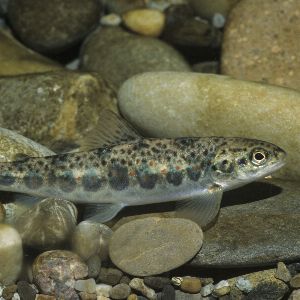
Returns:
(238, 161)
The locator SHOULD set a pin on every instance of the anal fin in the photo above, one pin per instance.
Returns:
(202, 209)
(103, 212)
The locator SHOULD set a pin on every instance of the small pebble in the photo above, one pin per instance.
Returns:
(138, 284)
(218, 20)
(125, 279)
(110, 276)
(9, 291)
(222, 288)
(282, 272)
(44, 297)
(102, 298)
(111, 20)
(132, 297)
(295, 281)
(94, 266)
(207, 290)
(87, 296)
(88, 285)
(26, 290)
(295, 295)
(179, 295)
(16, 296)
(190, 285)
(168, 292)
(120, 291)
(156, 283)
(103, 289)
(244, 285)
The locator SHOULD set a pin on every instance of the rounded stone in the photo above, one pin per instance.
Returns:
(55, 272)
(111, 20)
(222, 288)
(139, 285)
(142, 247)
(66, 22)
(148, 22)
(120, 291)
(121, 6)
(11, 254)
(295, 282)
(118, 55)
(191, 285)
(265, 48)
(194, 104)
(48, 224)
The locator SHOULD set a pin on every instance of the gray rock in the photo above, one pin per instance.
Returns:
(179, 295)
(11, 254)
(103, 289)
(26, 290)
(55, 272)
(111, 20)
(120, 291)
(130, 245)
(157, 283)
(221, 288)
(125, 279)
(168, 292)
(295, 281)
(110, 276)
(66, 22)
(118, 55)
(94, 265)
(9, 291)
(88, 285)
(207, 290)
(295, 295)
(244, 285)
(138, 284)
(282, 272)
(234, 241)
(87, 296)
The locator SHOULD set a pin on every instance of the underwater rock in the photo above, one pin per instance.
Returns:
(157, 282)
(111, 20)
(110, 276)
(94, 265)
(260, 232)
(168, 292)
(122, 6)
(265, 47)
(88, 285)
(207, 290)
(120, 291)
(295, 281)
(138, 284)
(142, 247)
(148, 22)
(54, 108)
(282, 272)
(56, 271)
(90, 239)
(162, 5)
(190, 284)
(221, 288)
(66, 22)
(11, 254)
(16, 59)
(118, 55)
(48, 224)
(194, 104)
(26, 291)
(103, 289)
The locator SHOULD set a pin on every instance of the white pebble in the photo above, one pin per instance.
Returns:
(218, 20)
(16, 296)
(111, 20)
(244, 285)
(207, 290)
(103, 289)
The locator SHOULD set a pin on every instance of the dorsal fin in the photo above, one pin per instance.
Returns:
(111, 129)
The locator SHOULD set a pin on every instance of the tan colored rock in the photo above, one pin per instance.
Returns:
(55, 108)
(17, 59)
(192, 104)
(265, 47)
(11, 254)
(148, 22)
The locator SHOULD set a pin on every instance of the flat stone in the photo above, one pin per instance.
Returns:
(55, 108)
(168, 292)
(179, 295)
(194, 104)
(110, 276)
(264, 48)
(142, 247)
(120, 291)
(11, 254)
(67, 23)
(118, 55)
(283, 272)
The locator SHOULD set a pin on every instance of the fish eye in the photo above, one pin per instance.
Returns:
(258, 156)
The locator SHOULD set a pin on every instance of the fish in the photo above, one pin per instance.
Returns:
(117, 167)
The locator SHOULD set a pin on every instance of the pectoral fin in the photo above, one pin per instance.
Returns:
(103, 212)
(202, 209)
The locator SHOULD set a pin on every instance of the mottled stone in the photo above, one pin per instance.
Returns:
(55, 108)
(264, 48)
(26, 290)
(190, 284)
(157, 283)
(66, 23)
(88, 285)
(48, 224)
(16, 59)
(94, 265)
(120, 291)
(295, 295)
(55, 272)
(138, 284)
(87, 296)
(221, 288)
(194, 104)
(110, 276)
(103, 289)
(148, 22)
(244, 285)
(264, 286)
(11, 254)
(282, 272)
(118, 55)
(125, 279)
(295, 281)
(44, 297)
(168, 292)
(90, 239)
(130, 244)
(9, 291)
(207, 290)
(132, 297)
(179, 295)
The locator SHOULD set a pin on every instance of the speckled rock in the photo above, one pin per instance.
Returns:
(138, 284)
(120, 291)
(90, 239)
(264, 48)
(44, 297)
(56, 271)
(17, 59)
(194, 104)
(207, 9)
(295, 295)
(148, 22)
(66, 22)
(94, 265)
(88, 285)
(54, 108)
(130, 244)
(234, 241)
(11, 254)
(118, 55)
(110, 276)
(265, 285)
(103, 289)
(87, 296)
(179, 295)
(121, 6)
(48, 224)
(183, 28)
(9, 291)
(157, 283)
(295, 281)
(168, 292)
(282, 272)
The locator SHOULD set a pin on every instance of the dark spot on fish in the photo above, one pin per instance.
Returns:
(193, 173)
(81, 164)
(205, 152)
(103, 162)
(142, 144)
(226, 168)
(158, 144)
(71, 165)
(7, 179)
(91, 182)
(123, 161)
(122, 151)
(33, 180)
(118, 177)
(143, 153)
(129, 151)
(144, 160)
(242, 161)
(67, 182)
(130, 163)
(46, 167)
(225, 162)
(174, 177)
(154, 150)
(77, 158)
(96, 164)
(223, 151)
(40, 163)
(214, 168)
(168, 158)
(164, 146)
(62, 157)
(147, 181)
(216, 140)
(135, 147)
(223, 144)
(113, 160)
